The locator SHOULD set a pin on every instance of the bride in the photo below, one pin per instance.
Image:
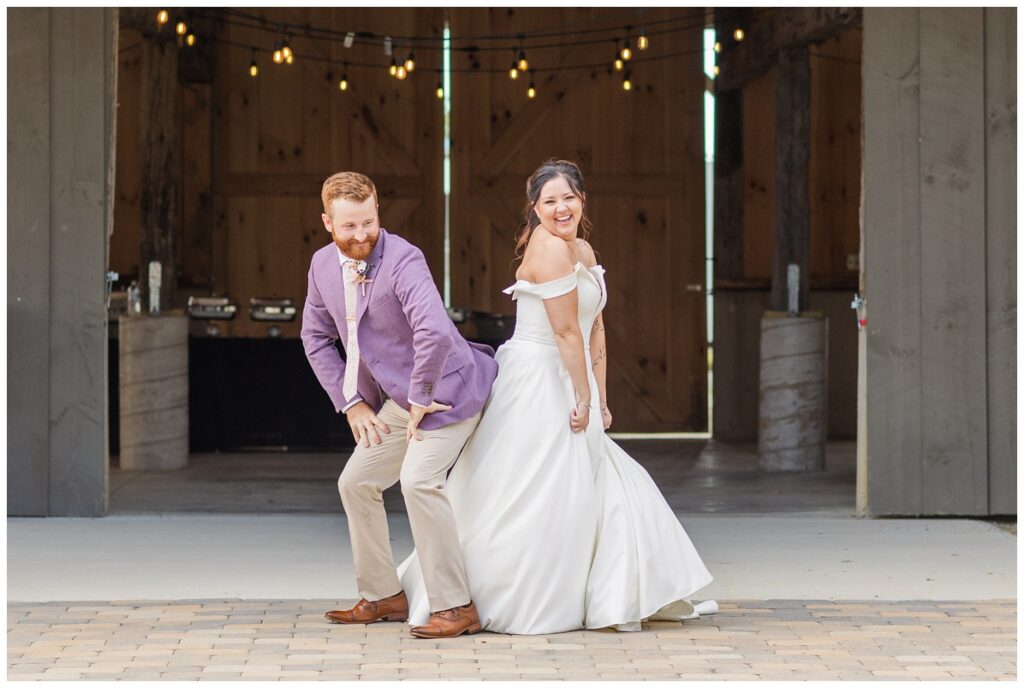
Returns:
(560, 529)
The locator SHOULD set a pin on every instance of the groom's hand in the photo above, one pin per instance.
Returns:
(416, 414)
(365, 423)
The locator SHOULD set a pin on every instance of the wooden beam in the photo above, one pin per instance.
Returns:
(791, 221)
(772, 32)
(160, 183)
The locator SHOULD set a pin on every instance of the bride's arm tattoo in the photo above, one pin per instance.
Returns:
(598, 358)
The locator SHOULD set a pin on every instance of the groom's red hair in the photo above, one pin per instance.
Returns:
(351, 186)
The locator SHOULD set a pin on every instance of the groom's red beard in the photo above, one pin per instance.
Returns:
(357, 250)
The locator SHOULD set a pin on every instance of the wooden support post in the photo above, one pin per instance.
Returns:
(160, 183)
(791, 211)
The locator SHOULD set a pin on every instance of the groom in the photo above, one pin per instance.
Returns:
(412, 390)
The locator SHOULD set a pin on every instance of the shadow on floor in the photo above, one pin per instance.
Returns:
(695, 476)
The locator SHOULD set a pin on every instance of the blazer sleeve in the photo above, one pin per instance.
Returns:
(319, 334)
(425, 311)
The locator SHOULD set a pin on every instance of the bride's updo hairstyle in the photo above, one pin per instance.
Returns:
(550, 169)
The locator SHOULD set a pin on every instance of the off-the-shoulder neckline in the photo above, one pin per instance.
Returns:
(576, 268)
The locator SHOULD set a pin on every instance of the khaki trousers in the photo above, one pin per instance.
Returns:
(422, 467)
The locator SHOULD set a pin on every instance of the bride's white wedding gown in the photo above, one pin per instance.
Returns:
(559, 530)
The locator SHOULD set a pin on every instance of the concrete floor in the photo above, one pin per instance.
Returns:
(696, 476)
(265, 526)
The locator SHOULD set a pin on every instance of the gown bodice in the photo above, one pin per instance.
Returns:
(532, 322)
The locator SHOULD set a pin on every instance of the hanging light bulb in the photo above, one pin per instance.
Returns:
(254, 69)
(410, 63)
(715, 70)
(738, 35)
(618, 64)
(513, 71)
(190, 40)
(393, 69)
(290, 59)
(642, 42)
(343, 83)
(440, 89)
(531, 92)
(625, 53)
(718, 46)
(278, 56)
(401, 73)
(521, 63)
(162, 17)
(627, 84)
(286, 49)
(180, 27)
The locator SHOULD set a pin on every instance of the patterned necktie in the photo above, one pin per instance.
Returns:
(348, 388)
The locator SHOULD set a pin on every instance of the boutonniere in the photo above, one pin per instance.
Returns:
(360, 267)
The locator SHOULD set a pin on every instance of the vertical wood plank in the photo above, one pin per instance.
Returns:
(28, 260)
(81, 82)
(892, 274)
(791, 208)
(954, 435)
(124, 243)
(160, 168)
(1001, 252)
(758, 104)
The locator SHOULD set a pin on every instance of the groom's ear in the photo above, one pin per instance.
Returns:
(326, 221)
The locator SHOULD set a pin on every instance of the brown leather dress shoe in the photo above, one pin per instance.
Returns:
(394, 608)
(450, 623)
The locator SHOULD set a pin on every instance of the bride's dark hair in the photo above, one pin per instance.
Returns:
(550, 169)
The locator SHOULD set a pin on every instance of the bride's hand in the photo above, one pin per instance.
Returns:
(606, 417)
(580, 417)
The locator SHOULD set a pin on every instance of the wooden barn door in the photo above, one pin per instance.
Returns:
(642, 155)
(276, 138)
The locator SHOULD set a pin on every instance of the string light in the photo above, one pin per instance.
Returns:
(617, 60)
(162, 17)
(531, 92)
(522, 64)
(738, 35)
(642, 43)
(626, 53)
(180, 27)
(440, 87)
(190, 40)
(286, 50)
(718, 46)
(290, 59)
(627, 84)
(513, 73)
(401, 73)
(277, 55)
(254, 69)
(410, 63)
(716, 70)
(393, 69)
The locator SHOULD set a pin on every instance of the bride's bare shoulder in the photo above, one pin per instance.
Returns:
(587, 255)
(547, 257)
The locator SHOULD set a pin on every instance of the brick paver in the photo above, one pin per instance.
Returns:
(289, 639)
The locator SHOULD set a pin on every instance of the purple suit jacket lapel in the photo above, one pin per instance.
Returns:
(371, 273)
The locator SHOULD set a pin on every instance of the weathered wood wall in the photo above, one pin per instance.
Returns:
(61, 86)
(937, 212)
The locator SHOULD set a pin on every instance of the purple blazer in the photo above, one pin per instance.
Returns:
(409, 348)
